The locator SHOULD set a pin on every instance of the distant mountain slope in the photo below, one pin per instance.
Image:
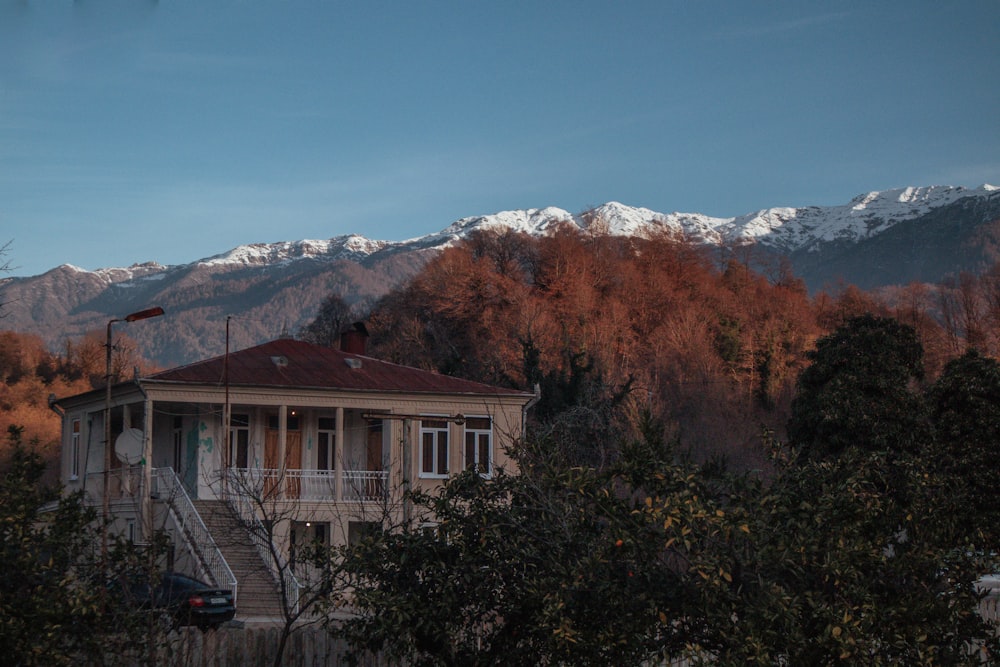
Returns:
(880, 238)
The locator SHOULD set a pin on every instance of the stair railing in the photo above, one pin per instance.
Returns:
(192, 529)
(279, 569)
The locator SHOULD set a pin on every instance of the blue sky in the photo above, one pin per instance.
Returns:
(135, 130)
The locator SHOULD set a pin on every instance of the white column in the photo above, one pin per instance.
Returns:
(338, 456)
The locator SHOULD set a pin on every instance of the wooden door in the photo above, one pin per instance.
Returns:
(374, 486)
(270, 462)
(293, 461)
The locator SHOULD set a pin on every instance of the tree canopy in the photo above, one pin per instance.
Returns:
(845, 553)
(860, 390)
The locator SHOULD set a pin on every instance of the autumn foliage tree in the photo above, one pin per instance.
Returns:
(712, 351)
(30, 373)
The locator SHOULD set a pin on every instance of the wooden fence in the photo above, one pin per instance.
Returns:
(257, 647)
(245, 647)
(315, 647)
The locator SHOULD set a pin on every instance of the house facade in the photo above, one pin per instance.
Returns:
(326, 438)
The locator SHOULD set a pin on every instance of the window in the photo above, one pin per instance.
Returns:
(320, 533)
(479, 444)
(178, 434)
(325, 447)
(433, 447)
(74, 464)
(306, 536)
(239, 440)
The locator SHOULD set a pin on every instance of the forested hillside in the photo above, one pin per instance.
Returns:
(711, 347)
(29, 374)
(607, 326)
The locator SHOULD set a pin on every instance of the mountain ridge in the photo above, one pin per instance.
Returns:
(878, 238)
(864, 215)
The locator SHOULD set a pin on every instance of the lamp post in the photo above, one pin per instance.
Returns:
(132, 317)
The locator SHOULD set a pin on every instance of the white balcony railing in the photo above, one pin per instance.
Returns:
(123, 482)
(356, 485)
(365, 485)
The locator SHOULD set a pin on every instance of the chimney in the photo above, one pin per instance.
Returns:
(355, 339)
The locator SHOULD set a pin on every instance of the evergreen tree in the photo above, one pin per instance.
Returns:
(859, 391)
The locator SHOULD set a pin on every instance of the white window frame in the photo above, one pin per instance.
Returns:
(178, 438)
(234, 439)
(330, 444)
(434, 433)
(476, 434)
(76, 432)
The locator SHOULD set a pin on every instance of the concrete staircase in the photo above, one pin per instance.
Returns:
(258, 597)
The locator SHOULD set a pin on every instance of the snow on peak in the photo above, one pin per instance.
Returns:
(256, 254)
(784, 228)
(134, 272)
(866, 215)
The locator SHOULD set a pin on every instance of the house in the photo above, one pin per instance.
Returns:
(325, 438)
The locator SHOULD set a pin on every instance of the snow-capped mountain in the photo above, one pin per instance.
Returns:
(878, 238)
(785, 229)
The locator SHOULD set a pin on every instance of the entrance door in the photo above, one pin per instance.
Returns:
(374, 458)
(271, 472)
(293, 461)
(374, 485)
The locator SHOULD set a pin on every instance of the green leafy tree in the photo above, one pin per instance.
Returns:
(558, 565)
(964, 407)
(859, 391)
(836, 569)
(54, 606)
(47, 617)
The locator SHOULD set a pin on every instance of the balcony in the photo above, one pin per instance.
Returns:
(320, 485)
(123, 482)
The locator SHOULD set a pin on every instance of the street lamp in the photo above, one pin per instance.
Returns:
(133, 317)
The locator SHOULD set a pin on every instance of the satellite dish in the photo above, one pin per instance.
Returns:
(129, 446)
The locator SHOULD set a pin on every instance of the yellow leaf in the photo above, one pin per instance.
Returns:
(745, 528)
(836, 632)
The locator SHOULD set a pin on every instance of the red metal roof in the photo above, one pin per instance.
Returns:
(293, 363)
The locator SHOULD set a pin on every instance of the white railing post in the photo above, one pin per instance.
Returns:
(365, 485)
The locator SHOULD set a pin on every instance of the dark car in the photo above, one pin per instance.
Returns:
(182, 600)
